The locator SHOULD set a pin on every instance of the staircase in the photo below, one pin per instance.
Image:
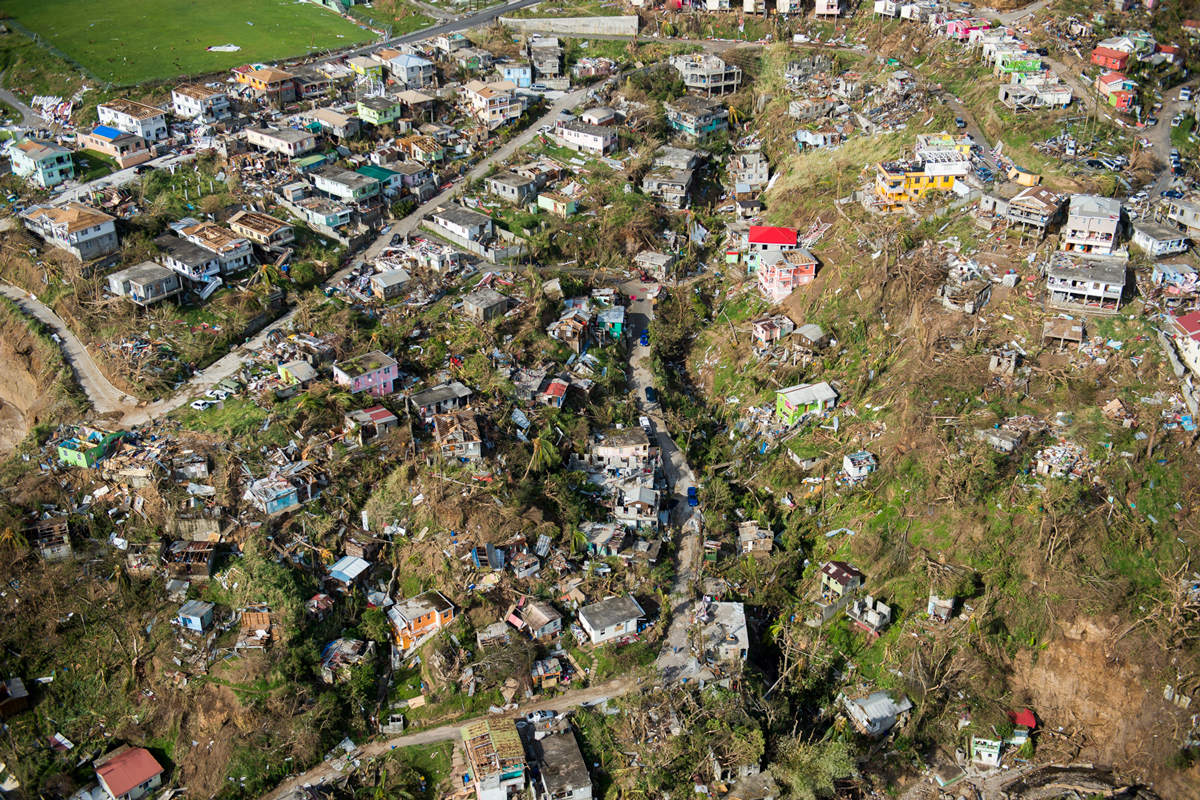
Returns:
(210, 286)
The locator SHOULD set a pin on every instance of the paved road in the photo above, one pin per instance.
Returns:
(1018, 14)
(446, 733)
(29, 117)
(105, 398)
(461, 24)
(231, 364)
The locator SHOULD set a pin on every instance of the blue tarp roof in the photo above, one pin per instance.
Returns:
(107, 132)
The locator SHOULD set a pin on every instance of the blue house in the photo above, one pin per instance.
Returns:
(521, 75)
(196, 616)
(272, 494)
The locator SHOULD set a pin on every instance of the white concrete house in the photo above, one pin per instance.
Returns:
(611, 618)
(142, 120)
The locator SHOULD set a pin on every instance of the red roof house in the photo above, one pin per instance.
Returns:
(1109, 58)
(1023, 719)
(1187, 326)
(129, 773)
(763, 234)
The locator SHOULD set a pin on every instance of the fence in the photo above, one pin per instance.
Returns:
(54, 51)
(373, 24)
(496, 255)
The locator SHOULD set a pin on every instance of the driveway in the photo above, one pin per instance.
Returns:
(81, 192)
(105, 398)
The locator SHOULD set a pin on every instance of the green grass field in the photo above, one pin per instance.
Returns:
(131, 41)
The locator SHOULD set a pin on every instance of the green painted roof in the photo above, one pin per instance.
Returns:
(309, 161)
(378, 173)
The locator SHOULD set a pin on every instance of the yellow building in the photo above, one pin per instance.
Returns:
(898, 183)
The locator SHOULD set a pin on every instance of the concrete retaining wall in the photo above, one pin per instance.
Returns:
(495, 255)
(588, 26)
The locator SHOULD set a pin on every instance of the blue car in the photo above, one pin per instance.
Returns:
(651, 396)
(693, 500)
(644, 341)
(1174, 194)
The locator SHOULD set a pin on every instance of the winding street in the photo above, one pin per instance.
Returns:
(105, 398)
(574, 698)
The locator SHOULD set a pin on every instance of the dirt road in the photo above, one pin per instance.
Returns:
(105, 398)
(675, 661)
(451, 732)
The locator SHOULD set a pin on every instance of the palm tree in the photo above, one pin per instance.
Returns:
(11, 539)
(545, 455)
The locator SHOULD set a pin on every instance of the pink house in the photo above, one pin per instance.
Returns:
(371, 372)
(961, 29)
(780, 273)
(827, 8)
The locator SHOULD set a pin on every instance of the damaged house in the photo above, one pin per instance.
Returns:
(457, 436)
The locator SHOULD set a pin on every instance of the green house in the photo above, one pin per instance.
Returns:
(87, 447)
(379, 110)
(792, 403)
(557, 204)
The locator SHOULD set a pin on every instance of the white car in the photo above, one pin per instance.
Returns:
(217, 394)
(202, 405)
(1176, 121)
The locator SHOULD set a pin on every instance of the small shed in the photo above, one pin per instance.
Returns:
(391, 284)
(1062, 333)
(14, 697)
(484, 305)
(348, 570)
(196, 615)
(859, 465)
(940, 608)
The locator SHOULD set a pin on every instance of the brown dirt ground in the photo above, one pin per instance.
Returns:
(1109, 697)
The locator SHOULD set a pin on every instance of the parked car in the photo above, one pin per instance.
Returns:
(693, 497)
(386, 230)
(396, 239)
(644, 340)
(1151, 122)
(202, 405)
(539, 716)
(1041, 51)
(539, 87)
(142, 169)
(1174, 194)
(959, 122)
(1176, 120)
(651, 395)
(1185, 94)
